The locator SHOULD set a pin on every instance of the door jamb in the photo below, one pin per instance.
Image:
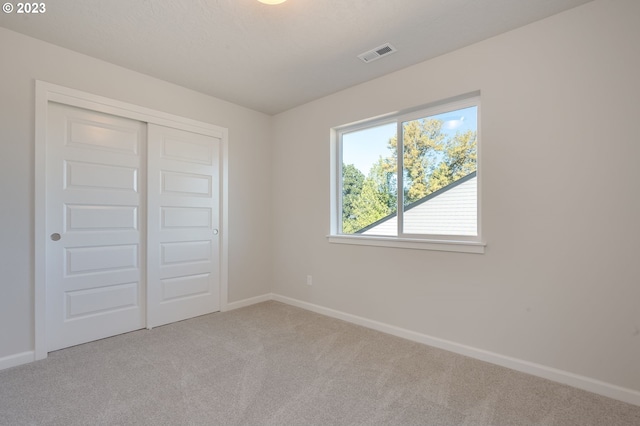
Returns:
(48, 92)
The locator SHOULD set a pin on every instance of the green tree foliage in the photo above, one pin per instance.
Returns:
(440, 178)
(352, 180)
(384, 176)
(460, 159)
(370, 206)
(366, 200)
(422, 140)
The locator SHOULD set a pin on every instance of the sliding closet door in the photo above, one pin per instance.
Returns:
(132, 225)
(95, 226)
(183, 242)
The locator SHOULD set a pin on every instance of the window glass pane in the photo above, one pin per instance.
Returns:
(439, 174)
(369, 185)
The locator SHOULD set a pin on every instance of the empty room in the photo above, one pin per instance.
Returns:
(291, 212)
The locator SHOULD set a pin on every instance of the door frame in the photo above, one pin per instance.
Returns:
(48, 92)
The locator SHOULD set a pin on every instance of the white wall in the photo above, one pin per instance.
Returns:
(23, 60)
(559, 284)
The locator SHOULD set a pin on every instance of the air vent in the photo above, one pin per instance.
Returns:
(377, 53)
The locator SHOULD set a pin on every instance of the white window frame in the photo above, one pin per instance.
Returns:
(453, 243)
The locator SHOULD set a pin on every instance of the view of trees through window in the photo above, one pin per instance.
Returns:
(437, 151)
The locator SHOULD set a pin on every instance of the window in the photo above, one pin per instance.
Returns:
(410, 179)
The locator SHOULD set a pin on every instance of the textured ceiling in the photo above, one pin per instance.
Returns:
(272, 58)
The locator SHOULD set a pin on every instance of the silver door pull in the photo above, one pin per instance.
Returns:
(215, 232)
(55, 236)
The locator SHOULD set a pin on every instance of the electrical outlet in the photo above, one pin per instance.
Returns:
(309, 280)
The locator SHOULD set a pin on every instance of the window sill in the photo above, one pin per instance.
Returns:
(407, 243)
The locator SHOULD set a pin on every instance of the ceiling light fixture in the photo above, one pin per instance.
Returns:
(272, 1)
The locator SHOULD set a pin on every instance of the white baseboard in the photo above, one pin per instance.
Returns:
(581, 382)
(609, 390)
(247, 302)
(17, 359)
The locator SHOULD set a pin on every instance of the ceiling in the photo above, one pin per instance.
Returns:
(272, 58)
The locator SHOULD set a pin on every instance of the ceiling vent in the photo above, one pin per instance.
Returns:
(377, 53)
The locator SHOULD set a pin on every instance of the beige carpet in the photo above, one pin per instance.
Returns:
(274, 364)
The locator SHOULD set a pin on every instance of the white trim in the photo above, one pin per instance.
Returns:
(17, 359)
(47, 92)
(440, 107)
(39, 302)
(335, 202)
(224, 224)
(479, 173)
(408, 243)
(609, 390)
(588, 384)
(105, 105)
(248, 302)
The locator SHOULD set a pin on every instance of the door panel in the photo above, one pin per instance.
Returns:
(185, 184)
(86, 217)
(95, 273)
(84, 175)
(183, 205)
(86, 302)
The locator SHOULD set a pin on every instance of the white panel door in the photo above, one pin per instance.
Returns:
(183, 242)
(95, 226)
